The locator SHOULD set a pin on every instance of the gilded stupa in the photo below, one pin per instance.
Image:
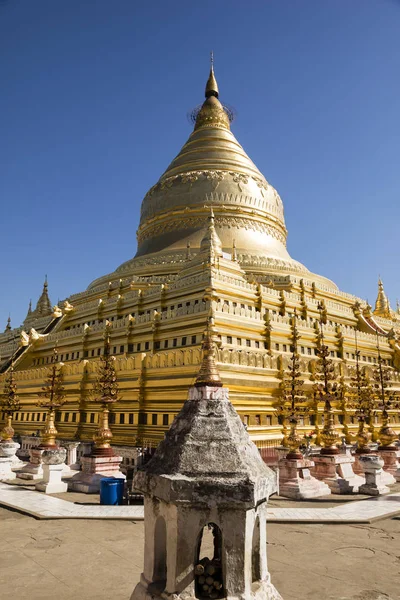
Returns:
(211, 249)
(212, 170)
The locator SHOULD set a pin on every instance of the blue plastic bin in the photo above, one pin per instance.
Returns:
(111, 491)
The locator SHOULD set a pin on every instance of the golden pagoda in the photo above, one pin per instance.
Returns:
(211, 249)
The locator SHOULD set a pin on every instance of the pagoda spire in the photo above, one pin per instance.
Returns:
(211, 85)
(212, 113)
(43, 306)
(8, 326)
(382, 304)
(211, 242)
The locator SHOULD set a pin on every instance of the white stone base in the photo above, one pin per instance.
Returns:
(8, 448)
(16, 463)
(52, 483)
(296, 481)
(95, 468)
(31, 472)
(374, 476)
(6, 472)
(337, 472)
(260, 590)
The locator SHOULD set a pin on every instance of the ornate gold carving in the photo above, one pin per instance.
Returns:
(212, 175)
(190, 177)
(153, 230)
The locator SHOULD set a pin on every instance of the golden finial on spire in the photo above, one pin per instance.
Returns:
(208, 374)
(382, 304)
(211, 85)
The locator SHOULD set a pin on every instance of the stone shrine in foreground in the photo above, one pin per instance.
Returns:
(158, 303)
(206, 474)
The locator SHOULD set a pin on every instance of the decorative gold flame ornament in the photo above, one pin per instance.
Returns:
(105, 390)
(9, 405)
(292, 398)
(53, 395)
(387, 435)
(362, 400)
(325, 374)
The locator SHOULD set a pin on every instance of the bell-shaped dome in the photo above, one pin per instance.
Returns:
(213, 170)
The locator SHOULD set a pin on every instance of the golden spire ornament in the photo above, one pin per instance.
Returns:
(211, 85)
(53, 397)
(105, 392)
(363, 402)
(387, 435)
(324, 389)
(8, 326)
(292, 397)
(10, 404)
(212, 113)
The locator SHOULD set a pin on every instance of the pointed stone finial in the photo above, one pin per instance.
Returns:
(8, 326)
(211, 85)
(211, 242)
(208, 374)
(30, 307)
(43, 306)
(382, 304)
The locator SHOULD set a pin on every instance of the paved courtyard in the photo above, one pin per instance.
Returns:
(102, 559)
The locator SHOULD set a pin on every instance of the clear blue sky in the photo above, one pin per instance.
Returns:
(93, 103)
